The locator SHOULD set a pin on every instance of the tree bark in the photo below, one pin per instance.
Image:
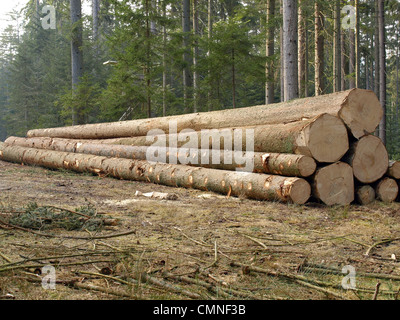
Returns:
(271, 163)
(76, 53)
(313, 138)
(352, 55)
(290, 61)
(270, 51)
(186, 47)
(387, 190)
(359, 109)
(382, 68)
(365, 195)
(302, 49)
(195, 55)
(368, 158)
(250, 185)
(334, 184)
(337, 67)
(319, 50)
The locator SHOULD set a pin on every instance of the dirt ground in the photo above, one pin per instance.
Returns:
(197, 245)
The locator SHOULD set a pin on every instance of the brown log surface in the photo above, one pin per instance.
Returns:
(359, 109)
(250, 185)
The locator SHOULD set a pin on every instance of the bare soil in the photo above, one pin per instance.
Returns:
(211, 244)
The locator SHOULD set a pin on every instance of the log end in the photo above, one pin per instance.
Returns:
(361, 112)
(394, 170)
(334, 184)
(307, 166)
(370, 160)
(300, 191)
(328, 139)
(365, 195)
(387, 190)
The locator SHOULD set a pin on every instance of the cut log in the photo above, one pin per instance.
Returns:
(279, 164)
(334, 184)
(250, 185)
(368, 158)
(365, 195)
(359, 109)
(387, 190)
(394, 170)
(323, 138)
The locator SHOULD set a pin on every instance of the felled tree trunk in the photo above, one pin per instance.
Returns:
(250, 185)
(359, 109)
(365, 195)
(271, 163)
(368, 158)
(334, 184)
(387, 190)
(323, 138)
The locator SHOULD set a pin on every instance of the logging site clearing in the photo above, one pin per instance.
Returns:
(186, 244)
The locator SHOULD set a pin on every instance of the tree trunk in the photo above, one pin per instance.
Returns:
(382, 68)
(302, 50)
(368, 158)
(290, 61)
(76, 53)
(365, 195)
(352, 54)
(387, 190)
(359, 109)
(343, 59)
(357, 45)
(164, 62)
(195, 55)
(319, 50)
(337, 68)
(250, 185)
(95, 17)
(186, 48)
(312, 138)
(209, 35)
(270, 51)
(334, 184)
(271, 163)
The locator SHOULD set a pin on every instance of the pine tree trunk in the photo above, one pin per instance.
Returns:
(337, 68)
(76, 53)
(271, 163)
(290, 51)
(270, 51)
(302, 49)
(359, 109)
(195, 55)
(368, 158)
(95, 18)
(209, 35)
(334, 184)
(319, 50)
(250, 185)
(186, 47)
(382, 68)
(352, 55)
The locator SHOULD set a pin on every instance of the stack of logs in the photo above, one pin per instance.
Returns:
(319, 149)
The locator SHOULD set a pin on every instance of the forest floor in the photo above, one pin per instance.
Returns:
(195, 245)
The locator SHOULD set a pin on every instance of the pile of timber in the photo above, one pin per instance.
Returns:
(313, 149)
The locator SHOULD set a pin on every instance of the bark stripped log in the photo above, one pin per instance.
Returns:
(359, 109)
(271, 163)
(394, 170)
(323, 138)
(250, 185)
(368, 158)
(365, 195)
(334, 184)
(387, 190)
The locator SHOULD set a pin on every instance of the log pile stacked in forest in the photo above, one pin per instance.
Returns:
(318, 148)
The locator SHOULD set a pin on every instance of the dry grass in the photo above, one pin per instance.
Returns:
(196, 237)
